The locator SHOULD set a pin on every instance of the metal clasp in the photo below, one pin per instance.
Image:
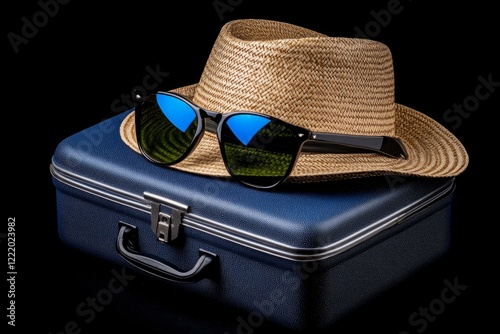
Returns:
(165, 226)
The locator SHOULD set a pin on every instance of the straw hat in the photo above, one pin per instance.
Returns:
(325, 84)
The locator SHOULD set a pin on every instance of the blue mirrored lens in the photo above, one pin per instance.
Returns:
(180, 114)
(246, 126)
(258, 150)
(167, 129)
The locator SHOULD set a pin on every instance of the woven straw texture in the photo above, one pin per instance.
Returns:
(325, 84)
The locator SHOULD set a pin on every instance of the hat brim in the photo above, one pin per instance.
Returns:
(432, 152)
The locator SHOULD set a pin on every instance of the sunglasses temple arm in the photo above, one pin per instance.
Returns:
(335, 143)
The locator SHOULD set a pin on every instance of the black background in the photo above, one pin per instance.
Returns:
(73, 72)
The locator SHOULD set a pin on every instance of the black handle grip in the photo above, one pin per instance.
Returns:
(128, 247)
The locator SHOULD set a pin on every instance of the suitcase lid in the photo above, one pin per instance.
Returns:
(297, 221)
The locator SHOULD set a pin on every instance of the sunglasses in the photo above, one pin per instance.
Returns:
(258, 150)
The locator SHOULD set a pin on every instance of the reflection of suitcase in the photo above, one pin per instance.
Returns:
(302, 256)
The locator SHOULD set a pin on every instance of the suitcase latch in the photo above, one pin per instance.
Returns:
(166, 226)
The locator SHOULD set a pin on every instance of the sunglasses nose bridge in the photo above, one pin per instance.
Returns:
(212, 120)
(211, 115)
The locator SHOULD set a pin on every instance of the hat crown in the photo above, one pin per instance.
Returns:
(325, 84)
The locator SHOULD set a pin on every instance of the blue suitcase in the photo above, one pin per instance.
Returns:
(302, 257)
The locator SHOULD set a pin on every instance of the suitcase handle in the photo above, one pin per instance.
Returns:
(127, 246)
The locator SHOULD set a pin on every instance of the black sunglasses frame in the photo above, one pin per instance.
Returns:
(311, 142)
